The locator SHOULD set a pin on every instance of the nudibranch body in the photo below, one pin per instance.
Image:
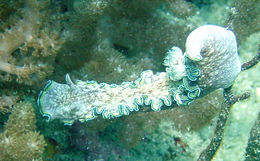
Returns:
(210, 62)
(214, 51)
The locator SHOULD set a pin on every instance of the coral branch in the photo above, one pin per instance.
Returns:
(24, 45)
(253, 148)
(252, 62)
(230, 99)
(13, 69)
(210, 151)
(216, 140)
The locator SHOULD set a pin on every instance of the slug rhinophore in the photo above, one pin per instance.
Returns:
(210, 62)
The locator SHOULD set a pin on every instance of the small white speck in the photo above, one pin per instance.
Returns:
(119, 69)
(244, 106)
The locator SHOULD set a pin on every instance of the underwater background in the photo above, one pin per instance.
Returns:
(113, 41)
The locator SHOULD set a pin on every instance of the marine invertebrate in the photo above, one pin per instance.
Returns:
(9, 7)
(213, 49)
(108, 65)
(20, 141)
(225, 119)
(7, 102)
(28, 45)
(252, 150)
(196, 72)
(243, 22)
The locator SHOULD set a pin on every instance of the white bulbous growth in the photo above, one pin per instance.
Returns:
(214, 50)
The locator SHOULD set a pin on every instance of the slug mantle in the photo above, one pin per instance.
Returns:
(210, 62)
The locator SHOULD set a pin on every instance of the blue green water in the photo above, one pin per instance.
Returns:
(113, 41)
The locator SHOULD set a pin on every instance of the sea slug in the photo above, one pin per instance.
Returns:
(210, 62)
